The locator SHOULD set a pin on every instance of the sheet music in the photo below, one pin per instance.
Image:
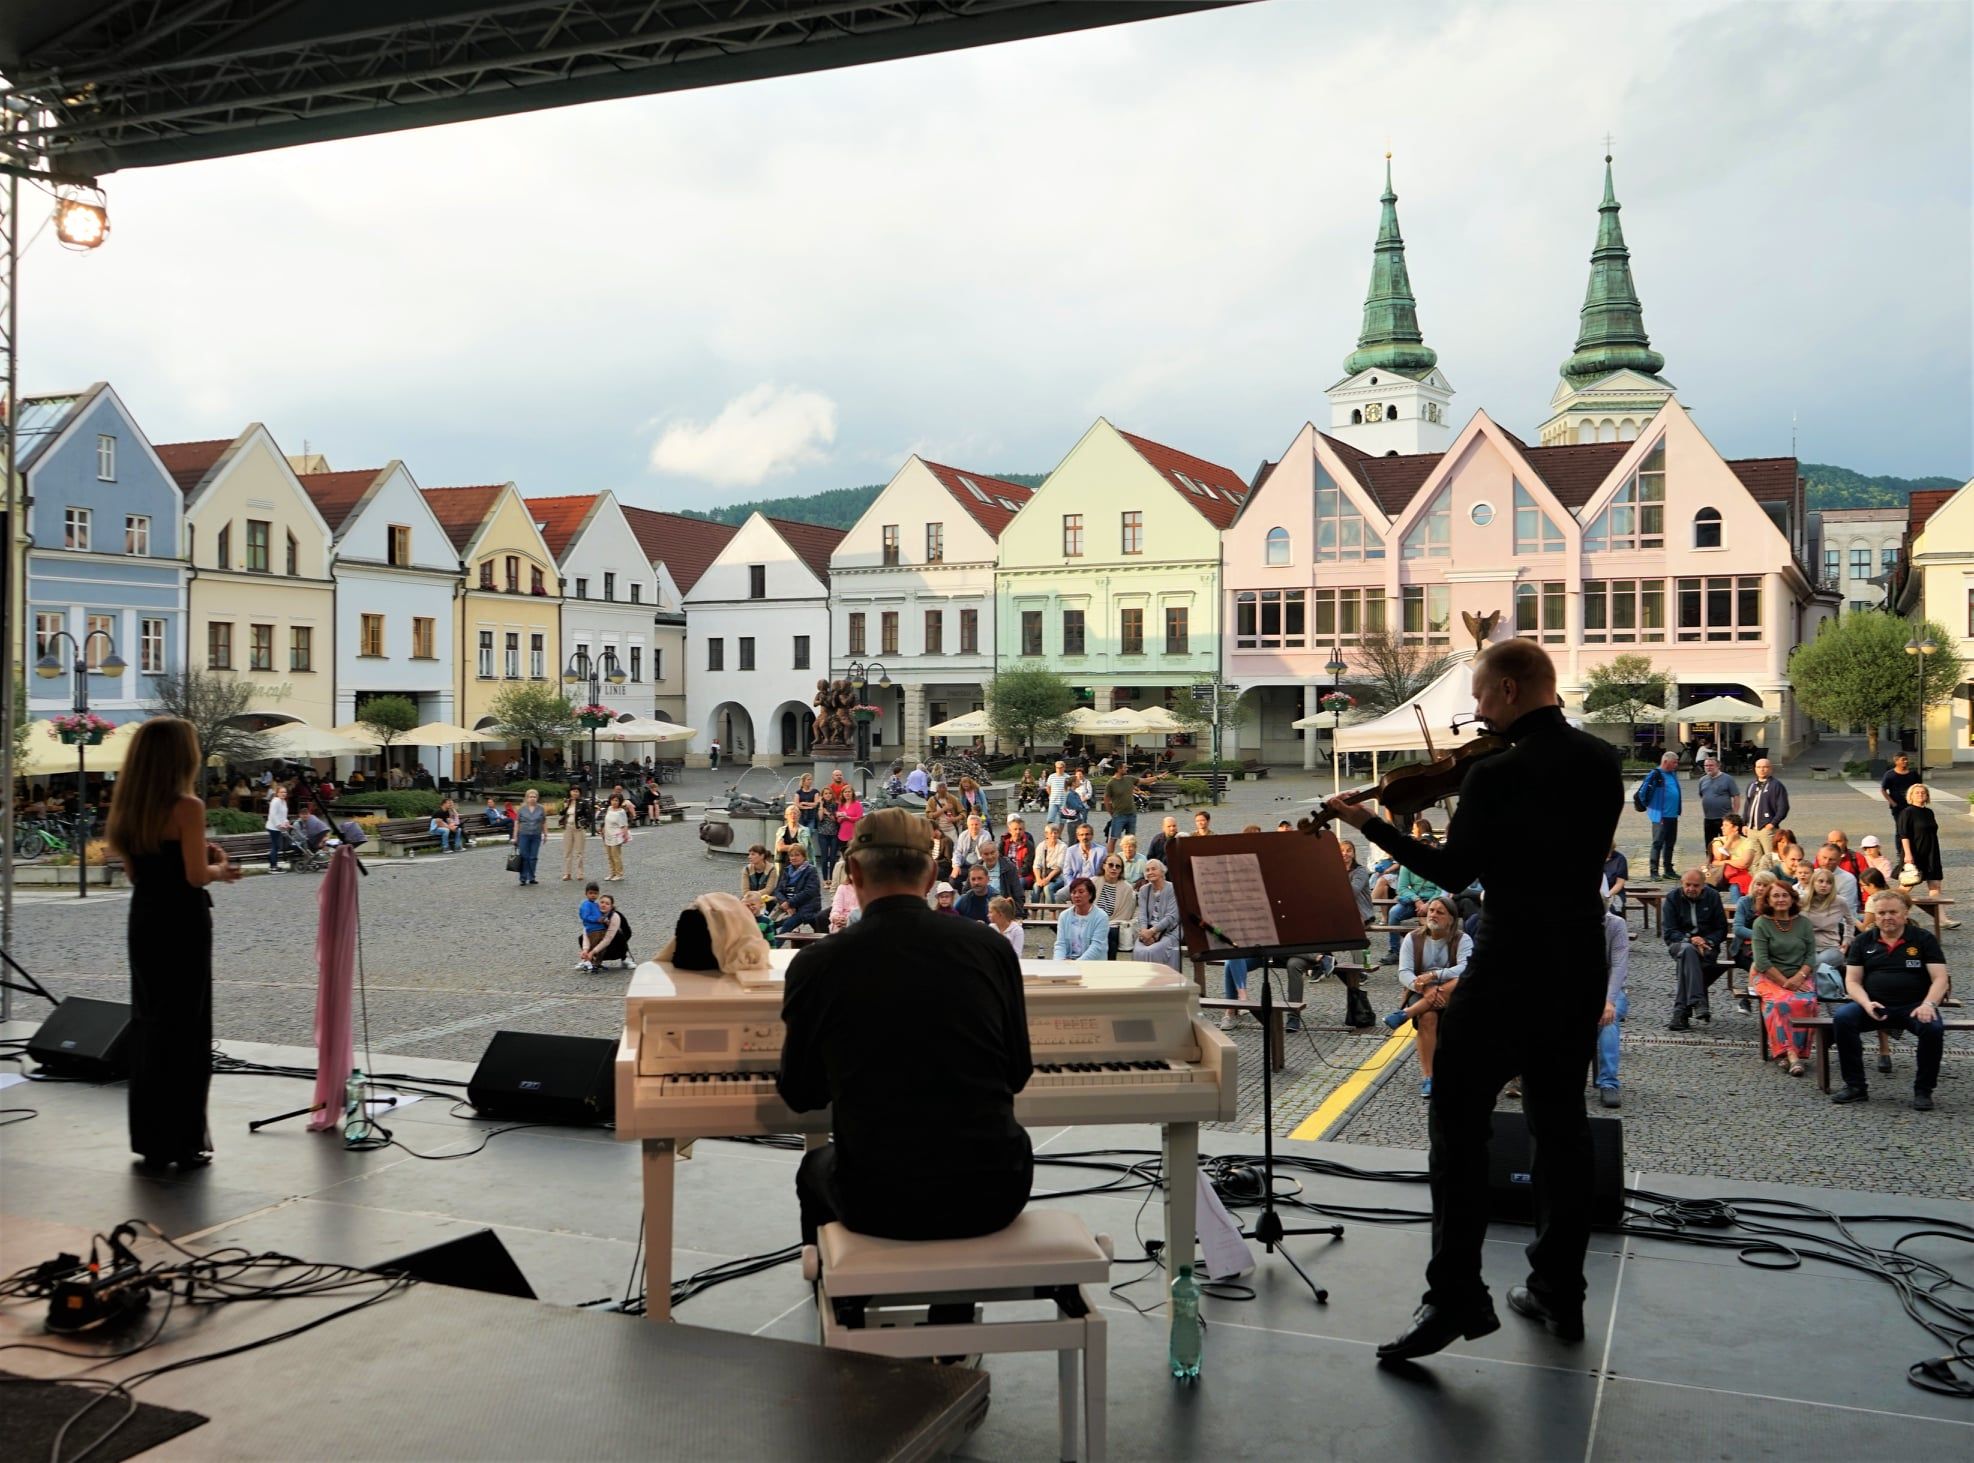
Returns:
(1232, 897)
(1223, 1249)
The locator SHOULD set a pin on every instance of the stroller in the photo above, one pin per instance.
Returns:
(299, 857)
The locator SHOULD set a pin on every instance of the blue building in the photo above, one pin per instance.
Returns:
(105, 551)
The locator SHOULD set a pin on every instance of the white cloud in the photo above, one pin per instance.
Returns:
(764, 433)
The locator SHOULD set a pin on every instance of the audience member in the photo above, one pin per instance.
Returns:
(1049, 854)
(1896, 975)
(1617, 873)
(800, 891)
(1831, 857)
(1413, 890)
(1018, 848)
(1919, 842)
(1767, 805)
(1833, 920)
(1119, 902)
(1002, 916)
(1057, 784)
(1082, 930)
(1784, 975)
(1161, 844)
(973, 904)
(1617, 1005)
(1134, 862)
(1659, 796)
(757, 879)
(1894, 786)
(1431, 961)
(1719, 796)
(1695, 928)
(1157, 939)
(845, 908)
(1085, 859)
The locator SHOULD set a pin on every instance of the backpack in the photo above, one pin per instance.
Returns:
(1638, 799)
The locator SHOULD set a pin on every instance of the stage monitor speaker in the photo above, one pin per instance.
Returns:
(536, 1078)
(476, 1261)
(1511, 1192)
(83, 1039)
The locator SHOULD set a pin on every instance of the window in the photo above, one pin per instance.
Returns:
(1278, 546)
(486, 575)
(637, 663)
(757, 581)
(98, 639)
(1534, 533)
(1721, 608)
(1177, 640)
(657, 663)
(1341, 532)
(222, 548)
(716, 654)
(75, 529)
(935, 543)
(136, 534)
(935, 632)
(1031, 632)
(747, 652)
(486, 655)
(1072, 535)
(857, 633)
(1539, 612)
(1431, 537)
(1481, 514)
(151, 647)
(424, 638)
(373, 635)
(301, 648)
(1888, 558)
(512, 566)
(260, 647)
(1860, 563)
(1131, 632)
(106, 458)
(1970, 614)
(260, 535)
(1345, 616)
(1134, 532)
(1428, 613)
(511, 656)
(46, 627)
(1072, 632)
(582, 589)
(1624, 612)
(1277, 619)
(1706, 529)
(609, 585)
(801, 652)
(890, 543)
(397, 544)
(637, 592)
(887, 633)
(969, 632)
(294, 557)
(537, 581)
(219, 646)
(1833, 564)
(537, 657)
(1636, 517)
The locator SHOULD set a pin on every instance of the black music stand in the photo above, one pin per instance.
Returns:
(1314, 913)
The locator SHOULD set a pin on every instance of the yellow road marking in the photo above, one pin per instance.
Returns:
(1314, 1127)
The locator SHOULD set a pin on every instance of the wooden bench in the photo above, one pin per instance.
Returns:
(404, 837)
(1935, 905)
(1254, 768)
(1823, 1026)
(1278, 1015)
(1651, 907)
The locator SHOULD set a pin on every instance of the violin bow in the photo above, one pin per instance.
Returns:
(1425, 731)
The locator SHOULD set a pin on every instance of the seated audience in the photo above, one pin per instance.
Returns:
(1157, 937)
(1617, 1005)
(1831, 857)
(1896, 975)
(1006, 919)
(800, 902)
(844, 909)
(1431, 960)
(1082, 930)
(1833, 920)
(1695, 928)
(1784, 977)
(1119, 903)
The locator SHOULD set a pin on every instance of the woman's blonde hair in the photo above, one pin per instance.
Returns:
(1816, 900)
(1918, 787)
(159, 768)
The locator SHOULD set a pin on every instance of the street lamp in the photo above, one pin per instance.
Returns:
(595, 670)
(1919, 647)
(859, 674)
(48, 667)
(1336, 668)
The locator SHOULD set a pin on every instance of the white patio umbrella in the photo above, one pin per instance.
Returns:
(48, 754)
(445, 734)
(967, 724)
(1160, 719)
(1720, 708)
(1119, 721)
(298, 741)
(1079, 720)
(645, 730)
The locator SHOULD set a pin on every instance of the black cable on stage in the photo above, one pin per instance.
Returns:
(13, 1115)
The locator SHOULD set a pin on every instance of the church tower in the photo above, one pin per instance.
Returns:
(1611, 385)
(1393, 397)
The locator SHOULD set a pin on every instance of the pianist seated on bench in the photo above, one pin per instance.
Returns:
(920, 1075)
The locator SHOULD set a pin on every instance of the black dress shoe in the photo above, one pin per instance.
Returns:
(1848, 1093)
(1679, 1023)
(1705, 1013)
(1564, 1325)
(1434, 1328)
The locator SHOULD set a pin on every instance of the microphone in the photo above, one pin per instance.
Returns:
(1212, 929)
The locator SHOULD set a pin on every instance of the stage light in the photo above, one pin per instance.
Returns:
(81, 222)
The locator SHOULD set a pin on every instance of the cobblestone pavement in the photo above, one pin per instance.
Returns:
(454, 949)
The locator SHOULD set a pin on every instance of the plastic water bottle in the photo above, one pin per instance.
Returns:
(1188, 1340)
(356, 1125)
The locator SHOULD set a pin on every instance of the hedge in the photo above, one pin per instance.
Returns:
(232, 820)
(409, 803)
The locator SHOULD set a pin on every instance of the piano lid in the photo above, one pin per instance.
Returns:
(659, 980)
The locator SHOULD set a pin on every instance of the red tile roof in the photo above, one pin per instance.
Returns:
(1574, 473)
(1229, 491)
(461, 511)
(336, 494)
(560, 518)
(685, 546)
(189, 462)
(989, 515)
(812, 543)
(1767, 479)
(1921, 507)
(1391, 481)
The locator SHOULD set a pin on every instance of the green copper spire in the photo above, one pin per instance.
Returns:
(1612, 337)
(1390, 338)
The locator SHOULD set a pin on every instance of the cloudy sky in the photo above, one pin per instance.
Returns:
(790, 285)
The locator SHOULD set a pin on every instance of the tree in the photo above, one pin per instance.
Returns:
(1856, 672)
(531, 713)
(388, 717)
(1621, 690)
(215, 705)
(1392, 668)
(1028, 704)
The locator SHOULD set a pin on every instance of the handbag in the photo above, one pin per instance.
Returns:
(1829, 983)
(514, 862)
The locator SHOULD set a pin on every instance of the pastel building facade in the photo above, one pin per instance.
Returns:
(1859, 552)
(1940, 586)
(679, 550)
(609, 591)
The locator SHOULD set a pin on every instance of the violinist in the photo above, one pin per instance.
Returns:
(1529, 1002)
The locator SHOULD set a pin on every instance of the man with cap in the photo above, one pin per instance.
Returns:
(920, 1074)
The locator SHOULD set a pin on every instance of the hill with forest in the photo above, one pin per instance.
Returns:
(1840, 487)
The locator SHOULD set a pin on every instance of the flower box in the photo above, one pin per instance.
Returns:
(89, 738)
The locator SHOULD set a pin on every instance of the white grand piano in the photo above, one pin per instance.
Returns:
(1112, 1042)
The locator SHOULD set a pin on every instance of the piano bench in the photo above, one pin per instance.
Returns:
(874, 1296)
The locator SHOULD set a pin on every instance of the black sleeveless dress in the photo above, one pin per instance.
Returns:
(171, 1008)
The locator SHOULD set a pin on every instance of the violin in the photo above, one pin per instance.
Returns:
(1416, 786)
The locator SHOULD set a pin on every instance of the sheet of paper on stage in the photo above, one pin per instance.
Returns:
(378, 1107)
(1232, 897)
(1226, 1253)
(8, 1079)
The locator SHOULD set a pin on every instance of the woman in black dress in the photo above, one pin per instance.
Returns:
(1919, 840)
(159, 827)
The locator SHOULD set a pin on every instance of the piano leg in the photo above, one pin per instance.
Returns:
(1181, 1194)
(659, 1159)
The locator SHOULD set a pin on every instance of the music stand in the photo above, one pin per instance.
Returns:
(1298, 902)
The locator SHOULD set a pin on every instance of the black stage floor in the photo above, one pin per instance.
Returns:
(1692, 1354)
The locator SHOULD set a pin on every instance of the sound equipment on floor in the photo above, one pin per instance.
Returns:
(83, 1039)
(535, 1078)
(476, 1261)
(1511, 1189)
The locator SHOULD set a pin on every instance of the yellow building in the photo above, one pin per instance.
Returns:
(1940, 587)
(509, 619)
(262, 603)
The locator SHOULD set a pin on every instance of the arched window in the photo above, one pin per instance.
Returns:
(1706, 529)
(1586, 432)
(1356, 416)
(1627, 430)
(1608, 432)
(1391, 412)
(1278, 546)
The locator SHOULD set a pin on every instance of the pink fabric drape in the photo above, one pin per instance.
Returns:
(335, 959)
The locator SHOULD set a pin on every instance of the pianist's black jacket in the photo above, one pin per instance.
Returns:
(912, 1027)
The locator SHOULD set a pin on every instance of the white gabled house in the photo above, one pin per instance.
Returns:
(609, 595)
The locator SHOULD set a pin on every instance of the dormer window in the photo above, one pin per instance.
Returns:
(487, 579)
(974, 488)
(1706, 529)
(512, 566)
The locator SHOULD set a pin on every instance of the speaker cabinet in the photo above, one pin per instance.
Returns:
(1510, 1186)
(84, 1039)
(476, 1261)
(534, 1078)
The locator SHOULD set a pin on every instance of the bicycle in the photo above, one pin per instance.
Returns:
(35, 837)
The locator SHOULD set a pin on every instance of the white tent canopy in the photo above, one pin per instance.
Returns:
(645, 730)
(967, 724)
(1398, 729)
(1720, 708)
(298, 741)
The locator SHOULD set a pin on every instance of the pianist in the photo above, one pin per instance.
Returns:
(919, 1074)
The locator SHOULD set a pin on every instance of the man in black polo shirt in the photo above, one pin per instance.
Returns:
(912, 1028)
(1894, 785)
(1896, 975)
